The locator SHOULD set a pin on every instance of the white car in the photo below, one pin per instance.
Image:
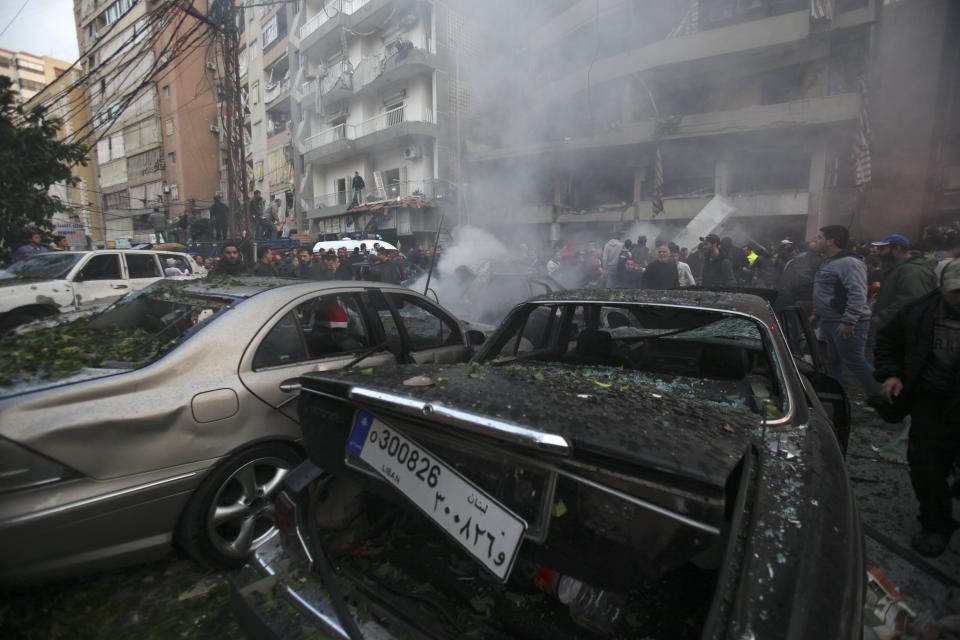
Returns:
(46, 284)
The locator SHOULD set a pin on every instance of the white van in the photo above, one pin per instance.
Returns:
(49, 283)
(325, 245)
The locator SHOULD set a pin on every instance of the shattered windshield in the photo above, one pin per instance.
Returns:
(46, 266)
(688, 353)
(132, 333)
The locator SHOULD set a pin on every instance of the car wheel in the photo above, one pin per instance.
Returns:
(12, 320)
(231, 512)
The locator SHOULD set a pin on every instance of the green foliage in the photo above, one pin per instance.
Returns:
(31, 161)
(60, 351)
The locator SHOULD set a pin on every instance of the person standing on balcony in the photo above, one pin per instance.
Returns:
(358, 186)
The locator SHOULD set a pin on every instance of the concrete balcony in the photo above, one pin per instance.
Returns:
(337, 84)
(808, 112)
(780, 30)
(275, 93)
(334, 204)
(330, 16)
(392, 126)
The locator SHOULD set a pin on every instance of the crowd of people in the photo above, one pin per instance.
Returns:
(375, 263)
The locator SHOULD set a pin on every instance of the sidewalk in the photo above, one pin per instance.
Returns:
(888, 511)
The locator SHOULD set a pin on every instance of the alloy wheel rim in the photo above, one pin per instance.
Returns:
(241, 517)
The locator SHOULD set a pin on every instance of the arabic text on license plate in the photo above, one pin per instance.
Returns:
(487, 530)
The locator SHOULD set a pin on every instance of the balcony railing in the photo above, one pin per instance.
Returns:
(275, 91)
(340, 73)
(328, 11)
(429, 188)
(383, 121)
(325, 137)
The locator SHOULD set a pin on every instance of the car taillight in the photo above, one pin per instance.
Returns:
(285, 513)
(287, 522)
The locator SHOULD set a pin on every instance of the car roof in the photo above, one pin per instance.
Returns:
(249, 286)
(718, 300)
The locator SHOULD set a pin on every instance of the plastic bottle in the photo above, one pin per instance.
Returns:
(590, 607)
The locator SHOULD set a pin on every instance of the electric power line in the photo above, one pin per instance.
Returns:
(15, 16)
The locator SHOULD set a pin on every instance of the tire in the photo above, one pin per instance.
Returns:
(14, 319)
(231, 512)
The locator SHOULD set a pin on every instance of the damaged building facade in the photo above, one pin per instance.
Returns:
(614, 107)
(375, 92)
(265, 80)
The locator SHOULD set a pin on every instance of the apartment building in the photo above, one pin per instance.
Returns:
(80, 221)
(756, 102)
(374, 92)
(159, 149)
(30, 73)
(265, 76)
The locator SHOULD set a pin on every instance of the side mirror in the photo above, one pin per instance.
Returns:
(78, 277)
(475, 338)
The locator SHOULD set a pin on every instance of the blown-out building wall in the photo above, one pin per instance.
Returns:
(757, 102)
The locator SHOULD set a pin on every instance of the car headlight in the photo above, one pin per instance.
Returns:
(21, 468)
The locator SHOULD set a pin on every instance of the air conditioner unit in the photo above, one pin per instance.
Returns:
(412, 152)
(214, 129)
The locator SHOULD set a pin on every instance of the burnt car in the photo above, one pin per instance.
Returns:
(611, 463)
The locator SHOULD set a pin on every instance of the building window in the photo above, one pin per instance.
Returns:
(166, 91)
(253, 49)
(782, 85)
(258, 170)
(144, 163)
(255, 93)
(172, 157)
(275, 29)
(168, 127)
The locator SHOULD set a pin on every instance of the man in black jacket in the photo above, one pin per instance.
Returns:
(265, 266)
(717, 271)
(230, 263)
(358, 186)
(917, 359)
(220, 217)
(662, 273)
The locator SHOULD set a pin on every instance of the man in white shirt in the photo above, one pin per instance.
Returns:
(683, 269)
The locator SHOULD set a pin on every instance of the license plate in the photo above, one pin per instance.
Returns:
(487, 530)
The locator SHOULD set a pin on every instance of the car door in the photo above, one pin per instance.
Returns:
(806, 351)
(428, 334)
(142, 269)
(322, 332)
(100, 280)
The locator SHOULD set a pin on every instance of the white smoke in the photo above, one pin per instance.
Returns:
(464, 276)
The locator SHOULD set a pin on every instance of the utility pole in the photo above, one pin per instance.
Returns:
(223, 18)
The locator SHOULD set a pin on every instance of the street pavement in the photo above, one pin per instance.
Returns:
(174, 598)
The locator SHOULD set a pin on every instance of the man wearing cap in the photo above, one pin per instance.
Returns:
(918, 361)
(904, 280)
(717, 270)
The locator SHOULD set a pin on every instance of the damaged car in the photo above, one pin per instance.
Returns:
(171, 416)
(610, 464)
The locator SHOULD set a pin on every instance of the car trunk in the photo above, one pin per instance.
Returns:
(627, 489)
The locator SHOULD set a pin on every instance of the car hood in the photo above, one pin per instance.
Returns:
(603, 412)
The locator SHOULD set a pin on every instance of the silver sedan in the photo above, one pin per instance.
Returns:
(187, 439)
